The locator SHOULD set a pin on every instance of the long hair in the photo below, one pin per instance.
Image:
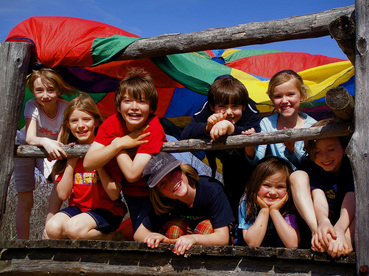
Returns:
(284, 76)
(84, 103)
(163, 205)
(50, 78)
(265, 168)
(137, 84)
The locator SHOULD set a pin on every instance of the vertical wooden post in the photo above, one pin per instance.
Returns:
(14, 62)
(358, 149)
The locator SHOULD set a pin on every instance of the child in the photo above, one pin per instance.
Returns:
(189, 209)
(136, 101)
(332, 192)
(95, 208)
(228, 111)
(286, 90)
(265, 211)
(44, 117)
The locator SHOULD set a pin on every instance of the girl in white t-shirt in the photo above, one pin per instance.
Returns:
(44, 117)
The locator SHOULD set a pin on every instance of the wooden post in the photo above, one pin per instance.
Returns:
(341, 102)
(14, 60)
(358, 149)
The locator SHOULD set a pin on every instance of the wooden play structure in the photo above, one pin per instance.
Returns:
(348, 25)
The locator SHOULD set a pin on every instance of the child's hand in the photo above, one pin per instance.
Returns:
(316, 245)
(248, 131)
(221, 128)
(213, 119)
(132, 140)
(326, 233)
(261, 203)
(53, 148)
(290, 145)
(339, 246)
(279, 203)
(153, 240)
(184, 243)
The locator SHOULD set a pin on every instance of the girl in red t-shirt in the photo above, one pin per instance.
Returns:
(95, 208)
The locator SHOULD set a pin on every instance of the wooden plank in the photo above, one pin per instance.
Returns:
(358, 150)
(341, 102)
(14, 60)
(235, 141)
(296, 27)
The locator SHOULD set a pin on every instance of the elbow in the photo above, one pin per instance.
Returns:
(132, 178)
(87, 164)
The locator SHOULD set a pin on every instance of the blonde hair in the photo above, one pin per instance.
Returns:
(84, 103)
(163, 205)
(284, 76)
(51, 78)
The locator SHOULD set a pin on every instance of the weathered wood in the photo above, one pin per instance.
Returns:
(358, 150)
(296, 27)
(343, 30)
(341, 102)
(66, 257)
(14, 60)
(235, 141)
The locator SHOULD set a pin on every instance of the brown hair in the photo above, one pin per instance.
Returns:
(137, 84)
(50, 78)
(84, 103)
(309, 145)
(163, 205)
(284, 76)
(227, 90)
(265, 168)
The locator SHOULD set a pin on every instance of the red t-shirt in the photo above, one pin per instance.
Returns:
(88, 192)
(113, 127)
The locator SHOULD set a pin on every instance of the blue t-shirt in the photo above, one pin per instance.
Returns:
(210, 203)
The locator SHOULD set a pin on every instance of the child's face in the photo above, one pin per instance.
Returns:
(134, 112)
(82, 125)
(286, 98)
(328, 154)
(273, 188)
(46, 94)
(174, 185)
(233, 111)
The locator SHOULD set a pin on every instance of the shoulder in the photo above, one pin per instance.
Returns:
(210, 183)
(154, 123)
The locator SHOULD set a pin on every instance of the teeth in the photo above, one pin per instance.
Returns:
(177, 186)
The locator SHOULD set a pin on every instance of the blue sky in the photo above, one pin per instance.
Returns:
(148, 18)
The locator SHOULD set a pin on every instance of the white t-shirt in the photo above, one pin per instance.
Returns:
(46, 127)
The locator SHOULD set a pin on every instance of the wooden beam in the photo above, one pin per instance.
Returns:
(358, 149)
(296, 27)
(343, 30)
(14, 60)
(235, 141)
(341, 102)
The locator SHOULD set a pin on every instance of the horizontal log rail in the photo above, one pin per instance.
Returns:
(236, 141)
(296, 27)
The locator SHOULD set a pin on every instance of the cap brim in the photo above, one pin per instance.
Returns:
(167, 169)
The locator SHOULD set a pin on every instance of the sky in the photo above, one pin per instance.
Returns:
(149, 18)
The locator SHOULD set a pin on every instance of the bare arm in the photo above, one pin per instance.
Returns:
(52, 147)
(152, 239)
(132, 169)
(65, 185)
(111, 187)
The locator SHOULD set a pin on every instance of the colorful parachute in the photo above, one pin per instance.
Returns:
(83, 51)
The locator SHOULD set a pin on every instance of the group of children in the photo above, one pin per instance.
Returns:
(270, 192)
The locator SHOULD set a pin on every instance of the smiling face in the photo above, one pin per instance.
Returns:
(273, 188)
(46, 94)
(134, 111)
(82, 125)
(286, 98)
(328, 154)
(233, 111)
(174, 185)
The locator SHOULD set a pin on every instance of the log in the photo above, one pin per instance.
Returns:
(343, 30)
(296, 27)
(236, 141)
(341, 102)
(358, 149)
(14, 60)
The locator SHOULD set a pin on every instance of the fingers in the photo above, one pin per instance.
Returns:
(182, 246)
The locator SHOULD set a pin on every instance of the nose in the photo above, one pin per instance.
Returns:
(228, 111)
(80, 124)
(284, 99)
(134, 104)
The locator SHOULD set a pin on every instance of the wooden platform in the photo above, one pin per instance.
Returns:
(66, 257)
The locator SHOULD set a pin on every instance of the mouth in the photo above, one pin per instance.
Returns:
(134, 116)
(327, 163)
(177, 186)
(82, 133)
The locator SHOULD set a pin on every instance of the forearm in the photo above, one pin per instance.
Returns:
(286, 233)
(218, 238)
(64, 187)
(111, 187)
(347, 213)
(99, 155)
(132, 169)
(254, 236)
